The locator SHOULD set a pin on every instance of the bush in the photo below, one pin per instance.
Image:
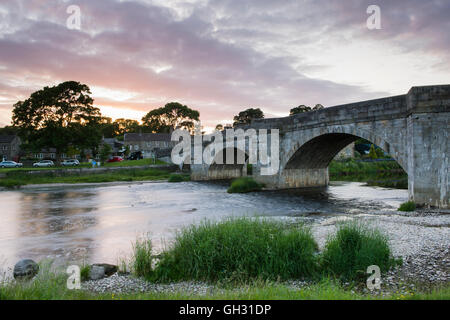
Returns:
(175, 177)
(407, 206)
(238, 250)
(352, 249)
(244, 184)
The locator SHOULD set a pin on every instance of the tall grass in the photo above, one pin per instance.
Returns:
(352, 249)
(238, 249)
(407, 206)
(141, 262)
(243, 185)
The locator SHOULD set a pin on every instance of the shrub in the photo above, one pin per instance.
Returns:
(84, 272)
(407, 206)
(244, 184)
(141, 262)
(176, 178)
(352, 249)
(238, 250)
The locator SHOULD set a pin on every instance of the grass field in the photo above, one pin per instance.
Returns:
(20, 178)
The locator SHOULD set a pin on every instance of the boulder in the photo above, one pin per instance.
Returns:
(25, 269)
(96, 273)
(102, 270)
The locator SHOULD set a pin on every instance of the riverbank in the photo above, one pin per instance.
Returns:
(387, 174)
(420, 238)
(19, 178)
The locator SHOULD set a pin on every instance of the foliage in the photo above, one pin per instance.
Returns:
(243, 185)
(58, 117)
(176, 177)
(238, 249)
(142, 257)
(171, 116)
(246, 116)
(407, 206)
(352, 249)
(105, 152)
(300, 109)
(219, 127)
(372, 152)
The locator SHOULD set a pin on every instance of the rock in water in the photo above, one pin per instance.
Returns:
(25, 269)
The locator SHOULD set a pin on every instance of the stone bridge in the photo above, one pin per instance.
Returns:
(412, 128)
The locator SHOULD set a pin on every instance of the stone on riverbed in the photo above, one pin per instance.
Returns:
(25, 269)
(101, 270)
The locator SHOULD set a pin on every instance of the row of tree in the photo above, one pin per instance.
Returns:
(64, 117)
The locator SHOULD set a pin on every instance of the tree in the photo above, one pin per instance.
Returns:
(105, 152)
(56, 117)
(372, 152)
(126, 126)
(300, 109)
(318, 107)
(246, 116)
(169, 117)
(219, 127)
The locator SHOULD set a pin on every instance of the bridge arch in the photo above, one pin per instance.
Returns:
(318, 151)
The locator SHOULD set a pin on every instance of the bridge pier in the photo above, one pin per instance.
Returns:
(428, 126)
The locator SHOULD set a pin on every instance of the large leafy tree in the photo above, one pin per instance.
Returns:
(169, 117)
(57, 117)
(302, 108)
(246, 116)
(126, 126)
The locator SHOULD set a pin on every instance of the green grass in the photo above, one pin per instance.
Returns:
(132, 163)
(176, 177)
(243, 185)
(384, 173)
(407, 206)
(238, 249)
(50, 285)
(352, 249)
(18, 178)
(141, 261)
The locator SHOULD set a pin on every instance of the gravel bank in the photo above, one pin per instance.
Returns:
(421, 238)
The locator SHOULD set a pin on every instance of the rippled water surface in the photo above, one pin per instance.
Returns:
(99, 223)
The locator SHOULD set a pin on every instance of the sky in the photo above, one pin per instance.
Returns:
(222, 56)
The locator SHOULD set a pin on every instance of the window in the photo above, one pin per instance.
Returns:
(5, 148)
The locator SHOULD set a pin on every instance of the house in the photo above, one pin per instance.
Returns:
(9, 147)
(150, 144)
(117, 147)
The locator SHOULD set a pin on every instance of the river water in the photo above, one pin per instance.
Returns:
(98, 223)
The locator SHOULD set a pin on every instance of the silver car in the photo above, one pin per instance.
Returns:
(44, 163)
(10, 164)
(70, 163)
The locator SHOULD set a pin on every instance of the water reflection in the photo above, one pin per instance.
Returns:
(99, 223)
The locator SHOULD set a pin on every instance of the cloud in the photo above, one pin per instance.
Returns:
(216, 56)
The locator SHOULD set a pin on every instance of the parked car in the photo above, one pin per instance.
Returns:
(10, 164)
(44, 163)
(70, 163)
(115, 159)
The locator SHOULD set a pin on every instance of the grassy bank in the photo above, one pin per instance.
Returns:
(382, 173)
(15, 179)
(244, 185)
(244, 249)
(48, 285)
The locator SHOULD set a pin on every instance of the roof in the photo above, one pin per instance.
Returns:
(7, 138)
(147, 137)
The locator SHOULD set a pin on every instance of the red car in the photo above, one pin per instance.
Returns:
(115, 159)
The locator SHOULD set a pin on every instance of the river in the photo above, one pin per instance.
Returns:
(98, 223)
